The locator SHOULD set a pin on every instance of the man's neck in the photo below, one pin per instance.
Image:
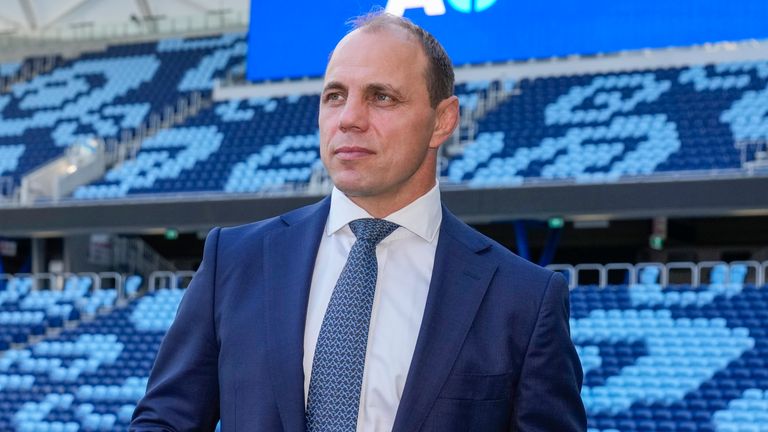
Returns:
(381, 207)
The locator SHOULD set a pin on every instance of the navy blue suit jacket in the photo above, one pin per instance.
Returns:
(493, 352)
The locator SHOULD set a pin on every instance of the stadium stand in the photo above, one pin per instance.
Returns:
(584, 128)
(18, 71)
(85, 350)
(672, 358)
(657, 355)
(106, 94)
(9, 69)
(236, 146)
(660, 352)
(606, 127)
(26, 310)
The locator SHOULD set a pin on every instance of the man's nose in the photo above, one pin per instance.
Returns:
(354, 116)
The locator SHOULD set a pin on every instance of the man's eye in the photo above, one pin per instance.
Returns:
(333, 97)
(381, 97)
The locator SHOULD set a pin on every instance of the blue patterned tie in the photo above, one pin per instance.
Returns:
(337, 369)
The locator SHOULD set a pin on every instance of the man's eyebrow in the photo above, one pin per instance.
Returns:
(385, 88)
(334, 85)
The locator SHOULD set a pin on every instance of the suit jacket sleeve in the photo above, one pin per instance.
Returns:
(548, 398)
(183, 390)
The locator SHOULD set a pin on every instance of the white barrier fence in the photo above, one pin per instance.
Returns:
(694, 274)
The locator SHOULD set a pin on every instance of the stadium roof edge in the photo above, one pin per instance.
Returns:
(14, 48)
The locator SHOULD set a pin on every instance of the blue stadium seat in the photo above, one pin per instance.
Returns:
(88, 377)
(608, 127)
(103, 94)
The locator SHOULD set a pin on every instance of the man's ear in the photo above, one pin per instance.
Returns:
(447, 119)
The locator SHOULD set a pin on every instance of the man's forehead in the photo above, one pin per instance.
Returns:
(381, 31)
(365, 40)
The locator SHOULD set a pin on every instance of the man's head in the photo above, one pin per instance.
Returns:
(386, 107)
(439, 71)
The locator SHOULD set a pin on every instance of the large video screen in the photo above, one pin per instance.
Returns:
(292, 39)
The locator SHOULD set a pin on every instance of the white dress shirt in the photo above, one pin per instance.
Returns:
(405, 260)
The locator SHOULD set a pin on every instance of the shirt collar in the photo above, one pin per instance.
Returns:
(421, 217)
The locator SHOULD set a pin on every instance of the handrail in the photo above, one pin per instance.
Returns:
(22, 275)
(7, 187)
(175, 279)
(183, 275)
(601, 274)
(630, 269)
(119, 282)
(96, 280)
(711, 265)
(686, 265)
(663, 275)
(51, 277)
(755, 265)
(158, 275)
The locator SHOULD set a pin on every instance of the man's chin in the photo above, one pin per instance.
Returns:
(352, 184)
(353, 191)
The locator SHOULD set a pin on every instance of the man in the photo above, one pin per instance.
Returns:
(375, 309)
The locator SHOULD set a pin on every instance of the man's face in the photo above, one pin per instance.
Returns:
(377, 127)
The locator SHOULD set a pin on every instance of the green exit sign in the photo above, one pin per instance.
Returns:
(556, 222)
(171, 234)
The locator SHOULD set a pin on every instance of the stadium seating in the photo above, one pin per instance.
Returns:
(241, 145)
(14, 71)
(656, 358)
(102, 94)
(675, 358)
(607, 127)
(46, 385)
(26, 311)
(235, 146)
(583, 128)
(9, 69)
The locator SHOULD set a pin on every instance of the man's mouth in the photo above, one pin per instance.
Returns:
(352, 152)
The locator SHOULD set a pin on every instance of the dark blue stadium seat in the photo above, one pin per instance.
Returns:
(608, 127)
(103, 94)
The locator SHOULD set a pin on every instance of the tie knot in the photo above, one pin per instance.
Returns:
(374, 230)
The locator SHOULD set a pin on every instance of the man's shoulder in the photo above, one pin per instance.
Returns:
(510, 261)
(507, 260)
(254, 231)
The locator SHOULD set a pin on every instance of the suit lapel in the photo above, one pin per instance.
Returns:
(289, 261)
(459, 280)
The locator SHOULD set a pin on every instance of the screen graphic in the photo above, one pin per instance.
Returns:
(294, 39)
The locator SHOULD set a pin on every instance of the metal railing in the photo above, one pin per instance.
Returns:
(169, 279)
(498, 91)
(7, 188)
(753, 155)
(58, 281)
(697, 273)
(162, 279)
(118, 284)
(29, 69)
(129, 143)
(575, 274)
